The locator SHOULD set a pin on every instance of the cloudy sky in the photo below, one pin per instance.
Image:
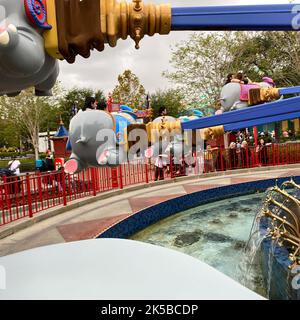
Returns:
(101, 70)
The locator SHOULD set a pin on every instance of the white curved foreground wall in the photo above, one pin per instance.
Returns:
(116, 269)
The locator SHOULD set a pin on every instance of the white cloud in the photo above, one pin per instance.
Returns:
(101, 70)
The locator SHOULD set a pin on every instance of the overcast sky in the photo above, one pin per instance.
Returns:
(101, 70)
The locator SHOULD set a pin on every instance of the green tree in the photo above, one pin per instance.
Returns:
(129, 90)
(200, 65)
(28, 113)
(202, 62)
(9, 134)
(171, 99)
(275, 54)
(76, 97)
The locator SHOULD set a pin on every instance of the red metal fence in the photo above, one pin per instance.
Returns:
(25, 196)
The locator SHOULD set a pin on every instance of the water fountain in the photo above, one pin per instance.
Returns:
(276, 236)
(217, 234)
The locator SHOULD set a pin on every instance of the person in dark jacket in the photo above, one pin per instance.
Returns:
(89, 104)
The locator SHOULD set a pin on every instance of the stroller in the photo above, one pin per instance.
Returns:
(4, 172)
(11, 177)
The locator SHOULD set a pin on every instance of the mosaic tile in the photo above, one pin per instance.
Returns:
(87, 229)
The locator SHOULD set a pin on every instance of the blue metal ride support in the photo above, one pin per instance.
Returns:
(266, 110)
(291, 90)
(282, 17)
(261, 121)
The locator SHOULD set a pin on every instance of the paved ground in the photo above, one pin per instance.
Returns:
(88, 221)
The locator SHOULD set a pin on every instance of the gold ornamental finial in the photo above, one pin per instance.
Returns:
(136, 19)
(137, 38)
(118, 20)
(137, 5)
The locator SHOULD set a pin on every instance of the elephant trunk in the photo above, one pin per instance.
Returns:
(21, 51)
(74, 165)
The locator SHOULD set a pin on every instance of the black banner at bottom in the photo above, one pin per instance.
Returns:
(97, 310)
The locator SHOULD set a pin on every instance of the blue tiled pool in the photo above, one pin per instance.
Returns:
(211, 225)
(214, 233)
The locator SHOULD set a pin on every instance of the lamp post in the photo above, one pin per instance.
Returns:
(149, 109)
(148, 101)
(48, 136)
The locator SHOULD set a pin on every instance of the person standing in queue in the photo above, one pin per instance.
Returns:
(102, 105)
(89, 104)
(160, 162)
(50, 160)
(14, 166)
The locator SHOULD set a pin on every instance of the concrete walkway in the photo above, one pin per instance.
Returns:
(87, 221)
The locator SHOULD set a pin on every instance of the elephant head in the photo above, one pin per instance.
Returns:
(230, 97)
(23, 60)
(167, 139)
(93, 140)
(235, 95)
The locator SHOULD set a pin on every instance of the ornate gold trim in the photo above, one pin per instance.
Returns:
(261, 95)
(212, 133)
(51, 36)
(118, 20)
(269, 94)
(285, 229)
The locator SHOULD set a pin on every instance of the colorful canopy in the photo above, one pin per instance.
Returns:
(123, 107)
(61, 132)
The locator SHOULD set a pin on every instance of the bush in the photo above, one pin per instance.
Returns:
(12, 154)
(27, 167)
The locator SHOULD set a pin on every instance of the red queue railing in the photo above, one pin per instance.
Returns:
(250, 157)
(26, 196)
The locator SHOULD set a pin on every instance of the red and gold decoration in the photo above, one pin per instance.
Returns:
(36, 11)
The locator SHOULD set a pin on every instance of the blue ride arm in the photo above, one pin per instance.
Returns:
(291, 90)
(278, 108)
(261, 121)
(282, 17)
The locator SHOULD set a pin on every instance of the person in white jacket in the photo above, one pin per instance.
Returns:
(14, 166)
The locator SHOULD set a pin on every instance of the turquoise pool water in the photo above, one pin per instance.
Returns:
(217, 234)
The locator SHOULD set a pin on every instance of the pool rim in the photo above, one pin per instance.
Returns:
(148, 216)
